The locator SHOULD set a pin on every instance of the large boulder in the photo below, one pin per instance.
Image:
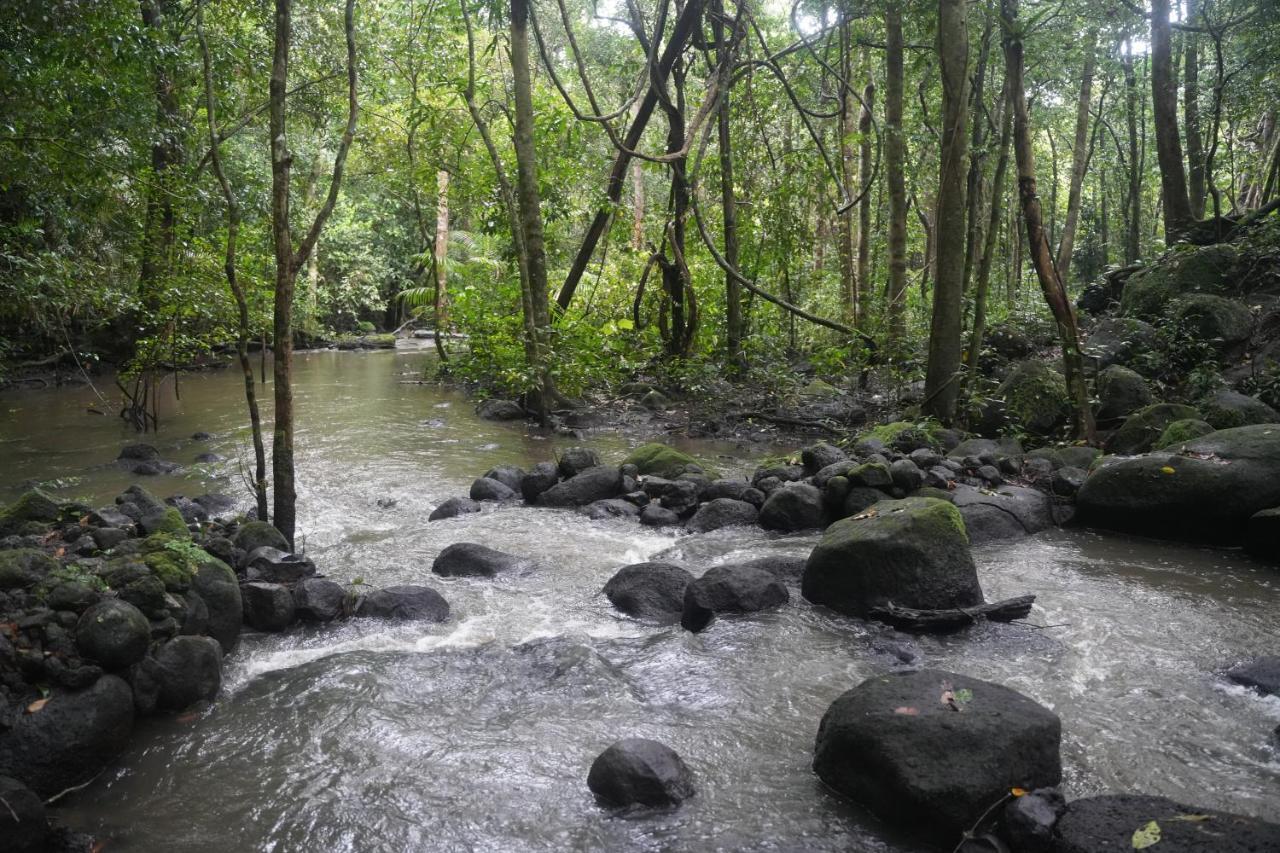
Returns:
(1180, 432)
(1111, 823)
(71, 738)
(662, 461)
(723, 512)
(1208, 491)
(33, 507)
(268, 606)
(1184, 272)
(815, 457)
(1225, 409)
(189, 670)
(1142, 429)
(637, 771)
(1119, 340)
(468, 559)
(487, 489)
(24, 826)
(651, 592)
(216, 586)
(1121, 392)
(1035, 396)
(319, 600)
(1008, 512)
(114, 633)
(796, 506)
(593, 484)
(1223, 323)
(253, 535)
(23, 568)
(913, 552)
(730, 589)
(404, 603)
(932, 751)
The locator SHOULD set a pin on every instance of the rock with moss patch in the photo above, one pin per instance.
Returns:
(1143, 428)
(1224, 323)
(114, 633)
(1225, 409)
(253, 535)
(913, 552)
(1180, 432)
(662, 461)
(30, 512)
(23, 568)
(1119, 340)
(215, 584)
(1035, 396)
(902, 436)
(1121, 392)
(169, 521)
(1183, 272)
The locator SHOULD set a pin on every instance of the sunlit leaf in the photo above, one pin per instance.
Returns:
(1146, 836)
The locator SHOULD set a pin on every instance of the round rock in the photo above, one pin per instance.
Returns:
(114, 633)
(190, 670)
(637, 771)
(730, 589)
(404, 603)
(468, 559)
(653, 592)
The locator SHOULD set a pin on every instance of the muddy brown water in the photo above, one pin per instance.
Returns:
(477, 734)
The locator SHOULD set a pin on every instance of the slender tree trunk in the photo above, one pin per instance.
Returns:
(1051, 284)
(1164, 94)
(1079, 157)
(637, 203)
(983, 278)
(894, 155)
(1133, 200)
(729, 212)
(848, 228)
(977, 149)
(864, 289)
(942, 379)
(1196, 186)
(311, 299)
(159, 225)
(441, 300)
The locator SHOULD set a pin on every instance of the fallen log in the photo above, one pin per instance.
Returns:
(927, 621)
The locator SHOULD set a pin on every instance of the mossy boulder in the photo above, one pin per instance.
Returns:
(1180, 432)
(913, 552)
(1225, 409)
(1186, 271)
(174, 560)
(253, 535)
(1121, 392)
(1035, 396)
(904, 436)
(114, 633)
(660, 460)
(1143, 428)
(168, 523)
(1120, 340)
(1225, 323)
(28, 513)
(215, 583)
(23, 568)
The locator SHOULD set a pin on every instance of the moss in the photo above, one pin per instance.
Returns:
(173, 561)
(1179, 432)
(1183, 271)
(1217, 320)
(377, 341)
(73, 573)
(903, 433)
(1035, 397)
(21, 568)
(32, 506)
(172, 524)
(663, 461)
(1144, 427)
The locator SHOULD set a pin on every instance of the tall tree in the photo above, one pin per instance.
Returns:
(158, 16)
(1164, 103)
(942, 377)
(1191, 112)
(894, 155)
(1079, 156)
(982, 280)
(1133, 198)
(290, 258)
(728, 206)
(864, 288)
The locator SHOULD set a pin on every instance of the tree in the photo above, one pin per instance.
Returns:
(1080, 150)
(894, 155)
(1164, 102)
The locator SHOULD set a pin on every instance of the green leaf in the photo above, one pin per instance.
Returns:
(1146, 836)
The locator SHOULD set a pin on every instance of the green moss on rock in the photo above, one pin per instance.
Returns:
(33, 506)
(1180, 432)
(1035, 397)
(663, 461)
(174, 561)
(1149, 293)
(1143, 428)
(905, 435)
(171, 523)
(22, 568)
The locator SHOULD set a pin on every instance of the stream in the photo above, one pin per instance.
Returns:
(477, 734)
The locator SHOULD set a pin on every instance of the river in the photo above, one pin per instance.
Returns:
(477, 734)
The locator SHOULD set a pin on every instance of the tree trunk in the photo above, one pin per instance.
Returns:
(983, 279)
(1079, 157)
(1197, 187)
(441, 300)
(977, 150)
(729, 213)
(1055, 293)
(894, 155)
(863, 288)
(848, 228)
(942, 377)
(166, 152)
(1164, 94)
(1133, 200)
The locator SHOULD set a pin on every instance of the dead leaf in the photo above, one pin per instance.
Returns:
(37, 705)
(907, 711)
(1192, 818)
(1168, 469)
(1018, 792)
(1146, 836)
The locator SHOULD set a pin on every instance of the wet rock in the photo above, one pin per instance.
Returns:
(931, 750)
(913, 552)
(468, 559)
(542, 477)
(404, 603)
(821, 455)
(1142, 429)
(593, 484)
(319, 600)
(656, 515)
(652, 592)
(610, 508)
(1178, 433)
(575, 460)
(275, 566)
(797, 506)
(71, 739)
(23, 568)
(906, 475)
(23, 824)
(1009, 512)
(1225, 409)
(1108, 823)
(660, 460)
(189, 671)
(138, 453)
(1067, 481)
(267, 606)
(722, 512)
(253, 535)
(500, 410)
(485, 489)
(508, 475)
(637, 771)
(1028, 821)
(32, 507)
(109, 516)
(216, 586)
(1262, 537)
(730, 589)
(1261, 674)
(732, 489)
(454, 507)
(1121, 392)
(679, 496)
(114, 633)
(1035, 396)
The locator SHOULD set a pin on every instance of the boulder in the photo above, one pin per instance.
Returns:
(23, 824)
(730, 589)
(734, 489)
(1262, 535)
(818, 456)
(169, 520)
(404, 603)
(872, 475)
(1260, 674)
(319, 600)
(69, 740)
(1142, 429)
(1186, 271)
(500, 410)
(543, 476)
(1223, 323)
(189, 670)
(468, 559)
(268, 606)
(1035, 396)
(1121, 392)
(508, 475)
(1066, 481)
(1027, 822)
(931, 751)
(636, 771)
(722, 512)
(797, 506)
(785, 568)
(906, 475)
(913, 552)
(860, 499)
(23, 568)
(656, 515)
(485, 489)
(1180, 432)
(253, 535)
(454, 507)
(1109, 823)
(593, 484)
(114, 633)
(662, 461)
(575, 460)
(652, 592)
(1225, 409)
(275, 566)
(216, 586)
(1119, 340)
(1207, 492)
(1009, 512)
(610, 508)
(32, 507)
(109, 516)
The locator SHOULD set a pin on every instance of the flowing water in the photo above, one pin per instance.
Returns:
(477, 734)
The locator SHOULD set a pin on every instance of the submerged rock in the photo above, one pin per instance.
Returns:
(404, 603)
(637, 771)
(652, 592)
(1261, 674)
(730, 589)
(610, 508)
(1108, 823)
(454, 507)
(468, 559)
(931, 751)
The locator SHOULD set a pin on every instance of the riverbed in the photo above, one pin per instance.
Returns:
(477, 734)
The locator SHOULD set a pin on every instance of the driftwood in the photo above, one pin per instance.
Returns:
(911, 619)
(783, 420)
